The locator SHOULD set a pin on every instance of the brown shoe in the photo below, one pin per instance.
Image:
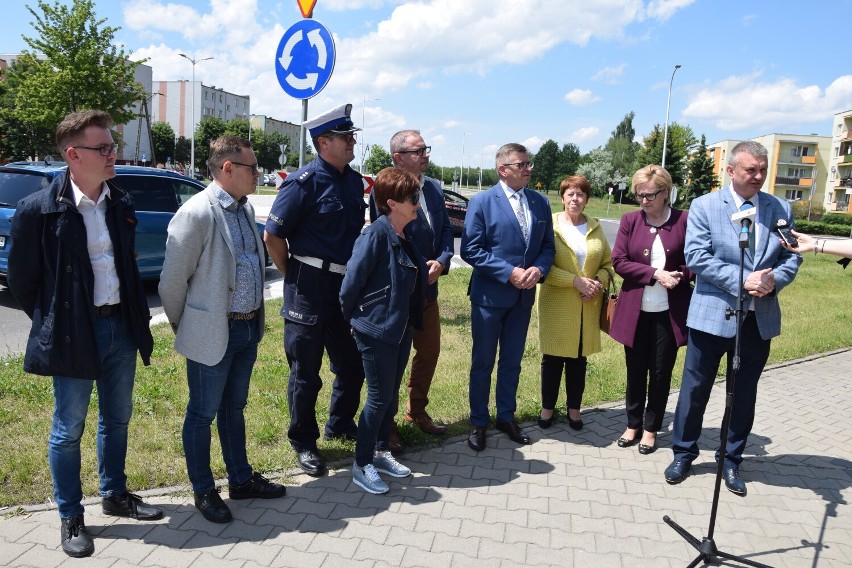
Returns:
(395, 445)
(424, 422)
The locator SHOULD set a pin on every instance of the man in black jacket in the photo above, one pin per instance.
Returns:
(72, 268)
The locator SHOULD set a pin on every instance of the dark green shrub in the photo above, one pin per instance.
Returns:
(837, 219)
(822, 228)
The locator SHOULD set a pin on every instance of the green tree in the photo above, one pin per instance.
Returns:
(19, 139)
(207, 130)
(622, 146)
(164, 141)
(597, 168)
(378, 159)
(701, 176)
(81, 69)
(569, 160)
(182, 151)
(680, 141)
(546, 166)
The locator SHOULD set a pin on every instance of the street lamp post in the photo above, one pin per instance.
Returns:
(192, 120)
(666, 129)
(461, 166)
(363, 136)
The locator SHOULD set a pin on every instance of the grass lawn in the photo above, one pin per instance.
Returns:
(815, 306)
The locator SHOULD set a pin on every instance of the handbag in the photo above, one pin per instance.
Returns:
(610, 299)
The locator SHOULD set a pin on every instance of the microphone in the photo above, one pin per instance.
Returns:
(745, 217)
(782, 227)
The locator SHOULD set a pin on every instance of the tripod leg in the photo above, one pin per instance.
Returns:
(741, 560)
(694, 542)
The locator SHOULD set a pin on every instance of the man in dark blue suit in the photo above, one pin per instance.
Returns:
(712, 252)
(433, 237)
(508, 240)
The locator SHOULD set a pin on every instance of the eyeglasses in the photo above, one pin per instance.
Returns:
(521, 165)
(349, 137)
(252, 167)
(103, 149)
(419, 151)
(648, 196)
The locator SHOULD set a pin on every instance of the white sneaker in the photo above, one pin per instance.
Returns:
(367, 478)
(385, 463)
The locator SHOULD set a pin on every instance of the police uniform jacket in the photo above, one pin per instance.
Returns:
(51, 277)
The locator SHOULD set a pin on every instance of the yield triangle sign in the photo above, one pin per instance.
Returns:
(307, 7)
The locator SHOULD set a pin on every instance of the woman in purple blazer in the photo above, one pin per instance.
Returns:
(650, 317)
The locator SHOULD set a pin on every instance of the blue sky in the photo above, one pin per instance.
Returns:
(512, 70)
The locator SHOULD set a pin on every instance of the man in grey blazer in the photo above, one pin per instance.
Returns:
(712, 252)
(212, 292)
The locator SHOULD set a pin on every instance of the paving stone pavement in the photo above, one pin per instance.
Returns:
(569, 499)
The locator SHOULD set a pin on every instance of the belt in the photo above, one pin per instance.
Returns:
(242, 316)
(107, 310)
(321, 264)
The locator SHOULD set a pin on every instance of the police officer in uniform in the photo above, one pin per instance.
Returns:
(310, 233)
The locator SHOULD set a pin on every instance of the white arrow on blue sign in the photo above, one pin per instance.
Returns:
(304, 59)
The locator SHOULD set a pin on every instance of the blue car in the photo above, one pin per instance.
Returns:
(157, 194)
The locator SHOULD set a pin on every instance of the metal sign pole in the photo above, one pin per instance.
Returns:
(302, 133)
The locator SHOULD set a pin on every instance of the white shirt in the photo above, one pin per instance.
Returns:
(575, 235)
(99, 245)
(423, 202)
(655, 298)
(522, 197)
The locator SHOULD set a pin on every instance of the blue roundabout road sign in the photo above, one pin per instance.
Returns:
(304, 59)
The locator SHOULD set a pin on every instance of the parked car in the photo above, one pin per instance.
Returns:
(456, 205)
(269, 180)
(157, 194)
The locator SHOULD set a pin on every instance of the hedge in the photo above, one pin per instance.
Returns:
(822, 228)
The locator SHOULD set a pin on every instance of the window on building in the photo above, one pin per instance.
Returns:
(793, 194)
(220, 97)
(796, 172)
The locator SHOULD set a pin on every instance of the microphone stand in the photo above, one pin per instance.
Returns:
(706, 547)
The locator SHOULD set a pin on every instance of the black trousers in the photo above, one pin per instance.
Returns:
(649, 370)
(552, 368)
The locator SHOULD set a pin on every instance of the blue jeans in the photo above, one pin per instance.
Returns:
(117, 352)
(384, 364)
(492, 327)
(221, 392)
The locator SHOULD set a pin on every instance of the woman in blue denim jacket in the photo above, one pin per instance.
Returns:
(382, 297)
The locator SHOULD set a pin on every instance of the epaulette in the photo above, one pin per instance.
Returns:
(305, 176)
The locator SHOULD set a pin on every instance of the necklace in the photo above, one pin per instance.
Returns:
(655, 226)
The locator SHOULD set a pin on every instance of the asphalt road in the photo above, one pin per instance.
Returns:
(15, 325)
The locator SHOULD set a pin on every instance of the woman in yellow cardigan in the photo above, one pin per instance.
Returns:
(569, 302)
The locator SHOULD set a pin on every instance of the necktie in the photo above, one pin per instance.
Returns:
(745, 207)
(521, 215)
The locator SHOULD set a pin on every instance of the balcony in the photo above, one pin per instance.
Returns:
(806, 182)
(847, 159)
(809, 159)
(780, 180)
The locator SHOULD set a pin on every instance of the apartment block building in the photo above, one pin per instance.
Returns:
(840, 164)
(183, 104)
(798, 165)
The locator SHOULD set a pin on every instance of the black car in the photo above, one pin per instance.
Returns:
(456, 204)
(156, 193)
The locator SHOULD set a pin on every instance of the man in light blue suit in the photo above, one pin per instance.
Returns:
(508, 240)
(713, 253)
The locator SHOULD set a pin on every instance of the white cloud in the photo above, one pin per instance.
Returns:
(451, 124)
(581, 97)
(664, 9)
(584, 135)
(610, 74)
(533, 144)
(745, 102)
(344, 5)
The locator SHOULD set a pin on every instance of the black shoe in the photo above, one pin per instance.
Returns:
(645, 449)
(575, 424)
(514, 432)
(257, 487)
(75, 539)
(625, 443)
(312, 463)
(476, 440)
(545, 423)
(733, 481)
(130, 505)
(212, 507)
(677, 471)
